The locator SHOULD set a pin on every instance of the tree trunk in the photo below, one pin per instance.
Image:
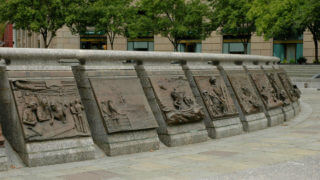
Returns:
(111, 45)
(45, 42)
(316, 51)
(175, 45)
(245, 46)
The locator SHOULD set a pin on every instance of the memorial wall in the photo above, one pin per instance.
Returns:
(56, 104)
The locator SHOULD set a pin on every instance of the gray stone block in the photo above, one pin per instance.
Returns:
(184, 134)
(288, 112)
(130, 142)
(276, 116)
(3, 159)
(296, 107)
(255, 122)
(225, 128)
(59, 151)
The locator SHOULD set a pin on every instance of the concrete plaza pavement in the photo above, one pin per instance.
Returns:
(287, 151)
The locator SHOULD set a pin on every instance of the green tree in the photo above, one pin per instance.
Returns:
(286, 18)
(112, 15)
(309, 16)
(81, 14)
(2, 29)
(44, 17)
(177, 19)
(231, 17)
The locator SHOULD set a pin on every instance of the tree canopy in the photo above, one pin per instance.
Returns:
(231, 18)
(287, 18)
(44, 17)
(177, 19)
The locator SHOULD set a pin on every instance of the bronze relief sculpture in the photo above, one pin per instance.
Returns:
(292, 90)
(122, 104)
(245, 93)
(279, 91)
(46, 111)
(176, 100)
(269, 95)
(216, 96)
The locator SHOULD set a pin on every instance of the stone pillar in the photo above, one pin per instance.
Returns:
(179, 116)
(250, 106)
(4, 113)
(271, 101)
(221, 116)
(44, 121)
(120, 118)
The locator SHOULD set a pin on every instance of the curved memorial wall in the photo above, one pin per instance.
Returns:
(56, 104)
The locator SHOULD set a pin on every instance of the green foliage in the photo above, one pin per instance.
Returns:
(276, 18)
(81, 14)
(231, 16)
(112, 15)
(44, 17)
(302, 60)
(285, 18)
(292, 61)
(284, 61)
(2, 29)
(177, 19)
(109, 16)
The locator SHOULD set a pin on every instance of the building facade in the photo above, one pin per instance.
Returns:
(288, 50)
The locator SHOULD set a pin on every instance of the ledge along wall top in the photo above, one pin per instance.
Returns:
(84, 55)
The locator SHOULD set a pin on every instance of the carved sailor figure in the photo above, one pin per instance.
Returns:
(79, 109)
(58, 113)
(43, 110)
(216, 98)
(29, 114)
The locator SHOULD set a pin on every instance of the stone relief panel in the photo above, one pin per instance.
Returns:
(292, 90)
(244, 91)
(49, 109)
(216, 96)
(281, 94)
(176, 100)
(268, 94)
(122, 104)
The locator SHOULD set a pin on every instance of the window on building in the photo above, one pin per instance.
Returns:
(233, 45)
(141, 44)
(190, 46)
(93, 40)
(289, 49)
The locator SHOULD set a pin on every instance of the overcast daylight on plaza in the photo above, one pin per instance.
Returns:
(159, 89)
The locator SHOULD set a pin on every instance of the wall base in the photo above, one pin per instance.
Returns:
(59, 151)
(255, 122)
(225, 128)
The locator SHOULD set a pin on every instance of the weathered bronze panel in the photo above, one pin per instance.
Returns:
(176, 100)
(244, 91)
(122, 104)
(277, 86)
(268, 94)
(293, 91)
(216, 96)
(49, 109)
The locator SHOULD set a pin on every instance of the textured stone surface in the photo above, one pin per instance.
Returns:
(255, 122)
(288, 112)
(59, 151)
(289, 151)
(276, 116)
(3, 159)
(170, 135)
(137, 136)
(219, 123)
(225, 127)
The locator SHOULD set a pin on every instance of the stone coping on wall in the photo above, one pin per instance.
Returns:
(83, 55)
